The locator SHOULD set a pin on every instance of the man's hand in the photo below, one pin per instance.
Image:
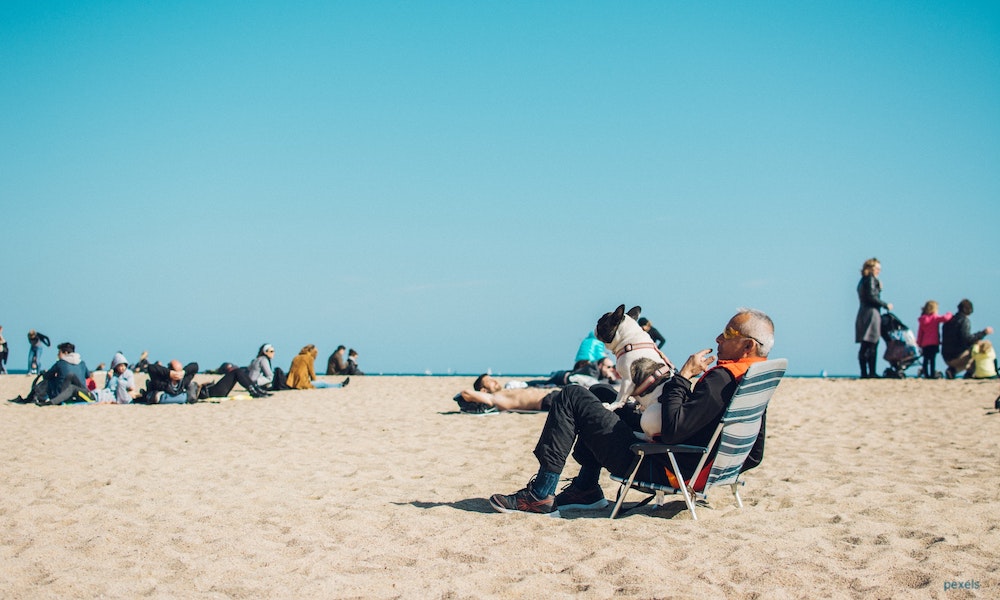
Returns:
(697, 364)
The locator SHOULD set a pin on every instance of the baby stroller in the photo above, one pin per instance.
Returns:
(901, 346)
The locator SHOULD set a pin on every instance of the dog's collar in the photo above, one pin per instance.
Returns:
(644, 345)
(641, 345)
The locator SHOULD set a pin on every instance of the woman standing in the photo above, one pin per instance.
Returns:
(868, 324)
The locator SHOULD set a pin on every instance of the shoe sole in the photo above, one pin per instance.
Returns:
(602, 503)
(504, 509)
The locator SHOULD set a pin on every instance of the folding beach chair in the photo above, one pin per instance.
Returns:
(738, 429)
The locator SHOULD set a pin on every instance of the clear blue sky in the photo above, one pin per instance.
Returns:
(469, 185)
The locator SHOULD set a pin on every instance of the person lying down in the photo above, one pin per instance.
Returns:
(487, 390)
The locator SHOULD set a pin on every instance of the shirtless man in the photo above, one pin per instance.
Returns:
(489, 391)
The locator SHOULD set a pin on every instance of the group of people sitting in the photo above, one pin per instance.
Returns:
(338, 365)
(70, 381)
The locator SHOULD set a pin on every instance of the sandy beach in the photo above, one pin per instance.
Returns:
(869, 489)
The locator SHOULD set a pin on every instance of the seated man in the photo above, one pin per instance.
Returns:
(173, 384)
(335, 365)
(66, 380)
(487, 390)
(580, 423)
(957, 340)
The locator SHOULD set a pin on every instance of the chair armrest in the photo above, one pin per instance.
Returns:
(647, 448)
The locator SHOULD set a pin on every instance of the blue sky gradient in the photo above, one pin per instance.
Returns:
(455, 187)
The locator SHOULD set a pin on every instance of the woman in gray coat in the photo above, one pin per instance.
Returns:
(868, 324)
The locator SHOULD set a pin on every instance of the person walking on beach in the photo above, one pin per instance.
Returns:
(929, 337)
(957, 340)
(36, 342)
(868, 323)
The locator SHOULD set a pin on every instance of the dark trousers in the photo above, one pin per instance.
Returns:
(930, 361)
(867, 357)
(71, 386)
(222, 387)
(578, 422)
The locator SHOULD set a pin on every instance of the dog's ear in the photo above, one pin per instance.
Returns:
(608, 323)
(634, 312)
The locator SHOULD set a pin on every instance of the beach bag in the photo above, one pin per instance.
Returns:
(39, 393)
(278, 382)
(473, 408)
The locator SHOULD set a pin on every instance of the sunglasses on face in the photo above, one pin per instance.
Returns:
(731, 333)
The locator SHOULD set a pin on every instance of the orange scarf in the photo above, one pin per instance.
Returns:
(738, 368)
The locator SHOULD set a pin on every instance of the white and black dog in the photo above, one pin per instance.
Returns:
(642, 380)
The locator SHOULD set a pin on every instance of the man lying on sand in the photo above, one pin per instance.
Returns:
(487, 390)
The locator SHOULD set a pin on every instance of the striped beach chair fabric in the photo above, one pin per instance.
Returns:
(738, 431)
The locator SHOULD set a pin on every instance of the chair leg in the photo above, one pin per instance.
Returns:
(684, 488)
(623, 490)
(736, 492)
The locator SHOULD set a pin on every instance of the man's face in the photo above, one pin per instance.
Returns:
(733, 345)
(491, 385)
(607, 369)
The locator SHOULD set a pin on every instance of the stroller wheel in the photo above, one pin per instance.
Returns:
(892, 373)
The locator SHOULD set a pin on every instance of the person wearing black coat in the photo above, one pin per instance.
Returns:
(957, 340)
(868, 324)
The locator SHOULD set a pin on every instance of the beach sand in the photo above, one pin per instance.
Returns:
(869, 489)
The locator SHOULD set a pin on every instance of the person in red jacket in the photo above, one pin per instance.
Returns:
(929, 337)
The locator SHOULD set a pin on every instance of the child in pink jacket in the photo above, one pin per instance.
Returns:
(929, 337)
